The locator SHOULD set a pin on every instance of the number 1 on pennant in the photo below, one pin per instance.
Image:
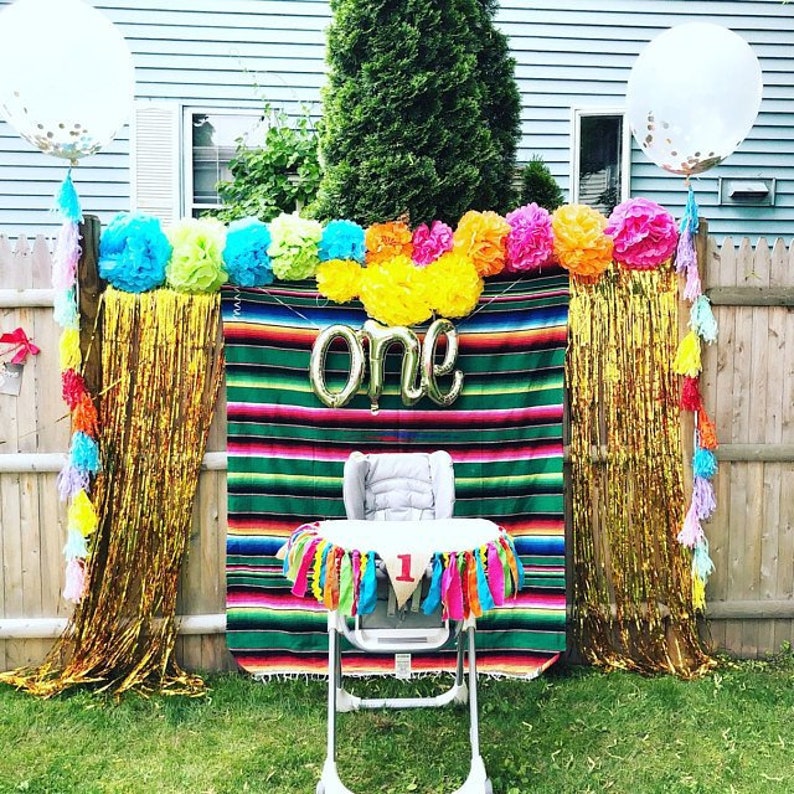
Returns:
(405, 569)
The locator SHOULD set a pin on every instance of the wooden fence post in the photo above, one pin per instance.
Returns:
(90, 289)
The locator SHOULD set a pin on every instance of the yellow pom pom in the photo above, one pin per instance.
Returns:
(339, 280)
(69, 346)
(687, 359)
(395, 293)
(454, 285)
(82, 515)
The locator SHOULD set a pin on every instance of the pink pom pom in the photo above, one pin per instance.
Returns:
(430, 243)
(530, 241)
(644, 234)
(74, 589)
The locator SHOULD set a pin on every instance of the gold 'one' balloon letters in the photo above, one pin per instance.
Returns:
(419, 372)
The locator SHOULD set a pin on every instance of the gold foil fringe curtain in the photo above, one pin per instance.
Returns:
(632, 583)
(162, 367)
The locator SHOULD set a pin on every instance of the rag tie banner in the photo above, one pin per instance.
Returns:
(464, 583)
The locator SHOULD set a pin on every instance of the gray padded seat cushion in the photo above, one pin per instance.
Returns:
(412, 486)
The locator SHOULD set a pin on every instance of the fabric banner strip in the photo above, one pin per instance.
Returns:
(286, 455)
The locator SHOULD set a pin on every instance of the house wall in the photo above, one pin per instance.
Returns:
(239, 53)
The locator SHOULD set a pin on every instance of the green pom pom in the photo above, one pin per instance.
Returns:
(294, 247)
(197, 260)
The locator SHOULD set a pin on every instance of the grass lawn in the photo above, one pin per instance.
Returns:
(576, 730)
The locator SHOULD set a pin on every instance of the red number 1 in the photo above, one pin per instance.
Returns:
(405, 572)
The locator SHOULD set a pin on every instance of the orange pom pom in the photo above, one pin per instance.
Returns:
(386, 241)
(580, 244)
(482, 237)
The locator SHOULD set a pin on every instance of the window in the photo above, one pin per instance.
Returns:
(600, 159)
(210, 138)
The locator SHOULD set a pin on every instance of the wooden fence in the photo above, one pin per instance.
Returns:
(748, 385)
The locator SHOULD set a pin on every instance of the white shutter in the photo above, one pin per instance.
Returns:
(154, 167)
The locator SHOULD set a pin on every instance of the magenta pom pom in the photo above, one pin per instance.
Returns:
(430, 242)
(529, 241)
(644, 234)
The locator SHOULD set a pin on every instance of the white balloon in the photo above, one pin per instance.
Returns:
(67, 80)
(693, 96)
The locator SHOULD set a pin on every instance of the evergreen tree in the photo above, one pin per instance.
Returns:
(539, 185)
(404, 120)
(501, 111)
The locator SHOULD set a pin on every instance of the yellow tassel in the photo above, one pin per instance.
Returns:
(82, 515)
(69, 345)
(687, 359)
(698, 593)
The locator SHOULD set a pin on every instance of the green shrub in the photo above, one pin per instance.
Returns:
(406, 119)
(539, 185)
(277, 176)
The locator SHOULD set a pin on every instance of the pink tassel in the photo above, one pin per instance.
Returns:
(496, 576)
(691, 532)
(704, 503)
(74, 589)
(693, 288)
(67, 253)
(454, 591)
(307, 561)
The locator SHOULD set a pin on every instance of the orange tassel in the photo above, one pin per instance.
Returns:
(707, 431)
(84, 417)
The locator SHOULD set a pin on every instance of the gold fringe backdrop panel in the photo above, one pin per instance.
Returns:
(632, 588)
(162, 363)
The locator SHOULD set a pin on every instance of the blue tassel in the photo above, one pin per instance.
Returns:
(368, 593)
(84, 453)
(433, 597)
(323, 562)
(704, 464)
(483, 591)
(75, 548)
(701, 320)
(690, 219)
(67, 200)
(702, 565)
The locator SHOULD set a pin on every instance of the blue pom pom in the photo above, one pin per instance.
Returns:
(134, 252)
(704, 464)
(84, 453)
(68, 200)
(342, 240)
(245, 255)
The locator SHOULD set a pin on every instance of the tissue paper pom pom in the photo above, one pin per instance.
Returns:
(481, 236)
(453, 284)
(580, 244)
(133, 253)
(429, 243)
(245, 256)
(342, 240)
(339, 280)
(529, 242)
(69, 349)
(197, 260)
(294, 246)
(644, 234)
(394, 292)
(387, 240)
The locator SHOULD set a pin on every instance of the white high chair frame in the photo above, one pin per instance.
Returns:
(360, 503)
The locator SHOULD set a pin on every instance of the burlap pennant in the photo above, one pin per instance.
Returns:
(405, 573)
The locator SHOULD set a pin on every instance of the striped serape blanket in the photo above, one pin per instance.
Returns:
(286, 453)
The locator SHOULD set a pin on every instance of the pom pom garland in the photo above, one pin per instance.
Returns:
(294, 247)
(395, 293)
(245, 254)
(580, 244)
(454, 285)
(644, 234)
(196, 264)
(339, 280)
(530, 241)
(342, 239)
(429, 243)
(481, 236)
(134, 252)
(386, 241)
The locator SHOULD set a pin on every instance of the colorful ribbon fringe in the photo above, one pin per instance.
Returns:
(83, 462)
(688, 364)
(464, 583)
